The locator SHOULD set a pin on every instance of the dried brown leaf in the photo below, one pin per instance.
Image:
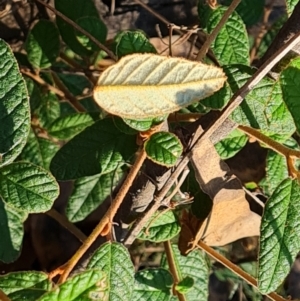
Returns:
(231, 217)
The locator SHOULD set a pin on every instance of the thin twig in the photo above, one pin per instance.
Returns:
(254, 197)
(154, 13)
(141, 222)
(232, 105)
(159, 17)
(73, 101)
(158, 199)
(184, 174)
(103, 227)
(272, 144)
(3, 297)
(170, 39)
(173, 269)
(234, 268)
(192, 45)
(80, 29)
(202, 52)
(238, 97)
(166, 201)
(63, 221)
(39, 80)
(179, 31)
(180, 40)
(88, 73)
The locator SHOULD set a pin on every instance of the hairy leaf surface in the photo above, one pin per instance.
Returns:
(280, 239)
(146, 85)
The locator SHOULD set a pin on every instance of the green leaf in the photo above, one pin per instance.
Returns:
(11, 232)
(131, 89)
(26, 294)
(153, 284)
(290, 5)
(280, 240)
(39, 151)
(74, 9)
(145, 124)
(193, 265)
(123, 126)
(28, 187)
(95, 27)
(19, 281)
(263, 107)
(128, 42)
(218, 100)
(100, 148)
(231, 45)
(89, 192)
(184, 285)
(250, 11)
(232, 144)
(161, 227)
(66, 127)
(89, 285)
(49, 109)
(276, 172)
(14, 107)
(42, 44)
(163, 148)
(114, 260)
(289, 80)
(34, 94)
(75, 83)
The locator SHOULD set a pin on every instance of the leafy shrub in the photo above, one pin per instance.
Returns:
(52, 130)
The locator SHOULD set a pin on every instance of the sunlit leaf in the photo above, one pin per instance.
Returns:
(28, 187)
(14, 107)
(290, 5)
(114, 260)
(193, 265)
(89, 192)
(231, 45)
(163, 148)
(289, 81)
(161, 227)
(19, 281)
(140, 86)
(152, 284)
(263, 108)
(231, 145)
(66, 127)
(89, 285)
(128, 42)
(280, 239)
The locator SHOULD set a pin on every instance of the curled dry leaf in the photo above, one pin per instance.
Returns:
(231, 217)
(147, 85)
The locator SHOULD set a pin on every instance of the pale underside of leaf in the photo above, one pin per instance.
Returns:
(147, 85)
